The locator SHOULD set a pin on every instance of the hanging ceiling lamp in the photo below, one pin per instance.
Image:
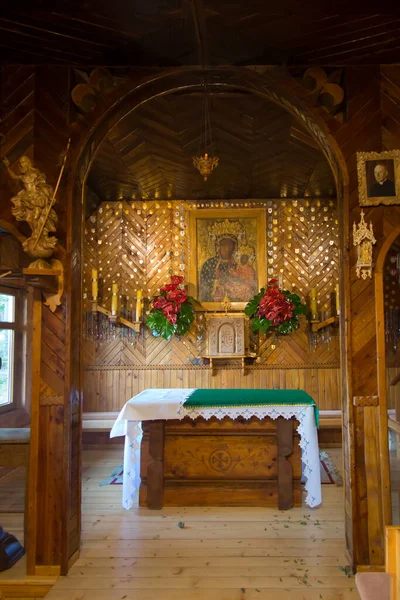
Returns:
(206, 162)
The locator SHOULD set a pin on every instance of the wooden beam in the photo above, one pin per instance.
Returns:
(199, 20)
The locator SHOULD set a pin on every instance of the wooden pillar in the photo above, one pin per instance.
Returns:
(54, 477)
(45, 502)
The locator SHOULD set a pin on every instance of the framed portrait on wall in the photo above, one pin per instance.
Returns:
(227, 256)
(378, 177)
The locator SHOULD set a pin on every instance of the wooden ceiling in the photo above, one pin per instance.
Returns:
(207, 32)
(264, 152)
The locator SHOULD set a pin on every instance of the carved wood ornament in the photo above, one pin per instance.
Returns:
(34, 205)
(363, 238)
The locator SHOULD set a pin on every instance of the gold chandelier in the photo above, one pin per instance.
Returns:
(206, 162)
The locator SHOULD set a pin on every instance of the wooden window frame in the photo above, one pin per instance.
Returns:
(19, 326)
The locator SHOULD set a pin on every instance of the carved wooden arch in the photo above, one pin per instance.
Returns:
(384, 249)
(91, 130)
(273, 86)
(381, 360)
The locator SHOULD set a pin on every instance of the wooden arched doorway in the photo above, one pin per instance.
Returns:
(114, 107)
(381, 261)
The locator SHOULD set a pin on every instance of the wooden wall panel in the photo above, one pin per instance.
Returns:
(390, 103)
(49, 508)
(52, 99)
(10, 252)
(393, 391)
(17, 86)
(139, 244)
(365, 470)
(107, 389)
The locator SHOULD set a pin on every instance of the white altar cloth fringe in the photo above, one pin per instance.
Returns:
(167, 404)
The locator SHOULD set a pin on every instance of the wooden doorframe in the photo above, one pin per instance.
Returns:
(381, 365)
(90, 132)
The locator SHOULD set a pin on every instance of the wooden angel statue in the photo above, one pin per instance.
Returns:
(34, 204)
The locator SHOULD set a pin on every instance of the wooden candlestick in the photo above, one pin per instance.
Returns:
(95, 286)
(337, 300)
(314, 305)
(114, 299)
(139, 305)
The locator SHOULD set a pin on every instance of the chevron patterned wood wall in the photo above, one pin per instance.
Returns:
(138, 245)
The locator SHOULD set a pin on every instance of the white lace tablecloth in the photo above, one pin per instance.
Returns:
(166, 404)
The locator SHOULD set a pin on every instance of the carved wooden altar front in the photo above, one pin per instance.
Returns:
(227, 462)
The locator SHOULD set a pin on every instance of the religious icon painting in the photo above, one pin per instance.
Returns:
(378, 177)
(227, 257)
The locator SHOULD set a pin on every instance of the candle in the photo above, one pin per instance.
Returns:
(95, 287)
(313, 305)
(337, 300)
(139, 305)
(114, 299)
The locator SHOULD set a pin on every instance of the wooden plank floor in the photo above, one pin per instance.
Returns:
(204, 553)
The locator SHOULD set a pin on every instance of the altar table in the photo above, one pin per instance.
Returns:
(220, 448)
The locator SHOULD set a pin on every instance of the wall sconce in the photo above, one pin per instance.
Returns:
(363, 238)
(102, 323)
(321, 322)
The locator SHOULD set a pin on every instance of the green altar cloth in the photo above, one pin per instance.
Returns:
(249, 397)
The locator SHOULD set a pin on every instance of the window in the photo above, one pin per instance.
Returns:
(11, 349)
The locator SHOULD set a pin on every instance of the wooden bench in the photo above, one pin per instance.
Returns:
(14, 447)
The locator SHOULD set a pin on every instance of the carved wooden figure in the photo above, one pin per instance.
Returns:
(33, 204)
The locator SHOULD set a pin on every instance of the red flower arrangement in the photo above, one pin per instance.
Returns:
(275, 308)
(172, 311)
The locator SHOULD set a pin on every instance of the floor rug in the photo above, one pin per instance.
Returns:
(329, 473)
(115, 477)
